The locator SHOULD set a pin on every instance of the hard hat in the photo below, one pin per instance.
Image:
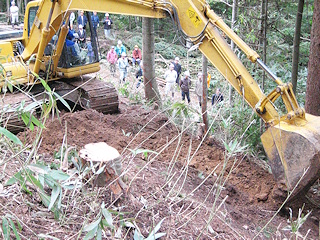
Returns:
(171, 65)
(199, 74)
(107, 14)
(112, 46)
(177, 59)
(80, 26)
(123, 54)
(136, 46)
(119, 42)
(187, 73)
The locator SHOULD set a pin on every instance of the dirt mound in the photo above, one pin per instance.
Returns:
(249, 195)
(137, 127)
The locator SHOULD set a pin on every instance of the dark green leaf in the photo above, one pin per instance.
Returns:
(5, 229)
(62, 100)
(14, 229)
(45, 85)
(10, 135)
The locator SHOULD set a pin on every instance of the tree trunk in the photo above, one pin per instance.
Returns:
(149, 75)
(263, 39)
(313, 83)
(130, 27)
(204, 91)
(296, 45)
(18, 3)
(233, 20)
(8, 10)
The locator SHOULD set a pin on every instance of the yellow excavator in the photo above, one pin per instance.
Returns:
(291, 140)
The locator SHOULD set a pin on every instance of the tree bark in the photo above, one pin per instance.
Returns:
(313, 83)
(18, 3)
(149, 75)
(233, 20)
(264, 37)
(263, 40)
(204, 91)
(296, 46)
(8, 10)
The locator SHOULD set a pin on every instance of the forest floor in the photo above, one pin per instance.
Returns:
(196, 187)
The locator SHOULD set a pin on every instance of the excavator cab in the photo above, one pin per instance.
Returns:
(76, 53)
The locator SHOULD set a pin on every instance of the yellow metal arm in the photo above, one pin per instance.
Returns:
(137, 8)
(196, 22)
(200, 23)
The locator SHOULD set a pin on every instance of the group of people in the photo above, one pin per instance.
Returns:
(172, 77)
(82, 20)
(117, 55)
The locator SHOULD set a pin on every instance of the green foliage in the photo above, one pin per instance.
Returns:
(179, 109)
(41, 176)
(8, 225)
(124, 89)
(145, 152)
(51, 104)
(10, 136)
(152, 235)
(103, 220)
(168, 50)
(294, 225)
(242, 126)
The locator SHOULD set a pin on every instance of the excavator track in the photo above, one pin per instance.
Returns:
(86, 92)
(96, 94)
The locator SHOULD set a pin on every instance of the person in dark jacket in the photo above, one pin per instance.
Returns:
(177, 68)
(107, 26)
(217, 97)
(82, 19)
(82, 36)
(185, 85)
(95, 22)
(139, 74)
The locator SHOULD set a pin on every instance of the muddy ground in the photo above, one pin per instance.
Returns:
(187, 182)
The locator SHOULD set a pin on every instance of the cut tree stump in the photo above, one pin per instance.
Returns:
(109, 157)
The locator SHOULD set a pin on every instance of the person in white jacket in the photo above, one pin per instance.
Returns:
(71, 20)
(14, 13)
(123, 66)
(170, 76)
(198, 88)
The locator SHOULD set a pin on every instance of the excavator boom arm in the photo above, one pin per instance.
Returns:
(197, 22)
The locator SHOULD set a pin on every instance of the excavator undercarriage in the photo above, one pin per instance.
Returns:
(80, 93)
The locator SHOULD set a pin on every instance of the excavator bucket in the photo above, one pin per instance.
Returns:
(294, 153)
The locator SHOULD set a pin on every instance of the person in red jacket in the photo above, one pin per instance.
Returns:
(136, 56)
(112, 58)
